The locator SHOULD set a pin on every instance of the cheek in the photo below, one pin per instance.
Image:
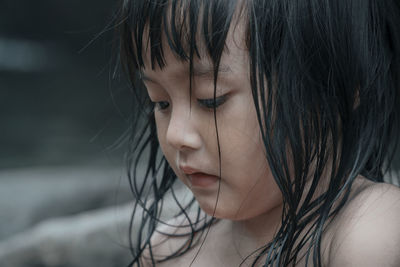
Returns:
(249, 179)
(162, 127)
(240, 135)
(251, 184)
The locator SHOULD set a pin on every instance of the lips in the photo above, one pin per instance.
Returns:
(202, 180)
(198, 178)
(188, 170)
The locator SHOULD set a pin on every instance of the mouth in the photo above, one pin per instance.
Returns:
(203, 180)
(199, 179)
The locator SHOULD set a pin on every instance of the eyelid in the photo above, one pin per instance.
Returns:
(211, 102)
(160, 105)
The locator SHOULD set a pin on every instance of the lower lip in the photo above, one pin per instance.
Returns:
(202, 179)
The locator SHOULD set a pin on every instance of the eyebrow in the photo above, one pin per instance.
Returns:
(200, 71)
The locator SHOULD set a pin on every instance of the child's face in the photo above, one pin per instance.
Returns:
(187, 133)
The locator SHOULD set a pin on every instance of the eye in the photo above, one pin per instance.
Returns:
(211, 102)
(161, 105)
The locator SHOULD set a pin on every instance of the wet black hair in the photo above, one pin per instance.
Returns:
(332, 69)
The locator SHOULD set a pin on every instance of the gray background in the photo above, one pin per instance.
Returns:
(63, 188)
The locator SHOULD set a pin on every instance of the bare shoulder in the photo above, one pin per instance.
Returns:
(367, 231)
(170, 237)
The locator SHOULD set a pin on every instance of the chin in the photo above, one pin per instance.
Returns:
(221, 212)
(209, 209)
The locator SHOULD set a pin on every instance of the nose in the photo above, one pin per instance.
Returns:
(183, 131)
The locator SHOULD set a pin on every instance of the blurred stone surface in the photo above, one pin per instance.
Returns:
(28, 196)
(94, 238)
(97, 238)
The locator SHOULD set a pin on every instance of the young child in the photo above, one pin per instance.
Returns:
(280, 116)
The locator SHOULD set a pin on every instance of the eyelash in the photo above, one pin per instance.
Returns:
(211, 102)
(207, 103)
(159, 105)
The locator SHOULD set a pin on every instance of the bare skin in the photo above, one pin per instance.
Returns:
(364, 233)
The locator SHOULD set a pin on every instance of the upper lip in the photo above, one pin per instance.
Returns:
(188, 170)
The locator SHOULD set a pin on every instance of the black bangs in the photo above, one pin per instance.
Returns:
(181, 23)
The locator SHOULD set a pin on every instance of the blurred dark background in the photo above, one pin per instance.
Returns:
(58, 103)
(63, 186)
